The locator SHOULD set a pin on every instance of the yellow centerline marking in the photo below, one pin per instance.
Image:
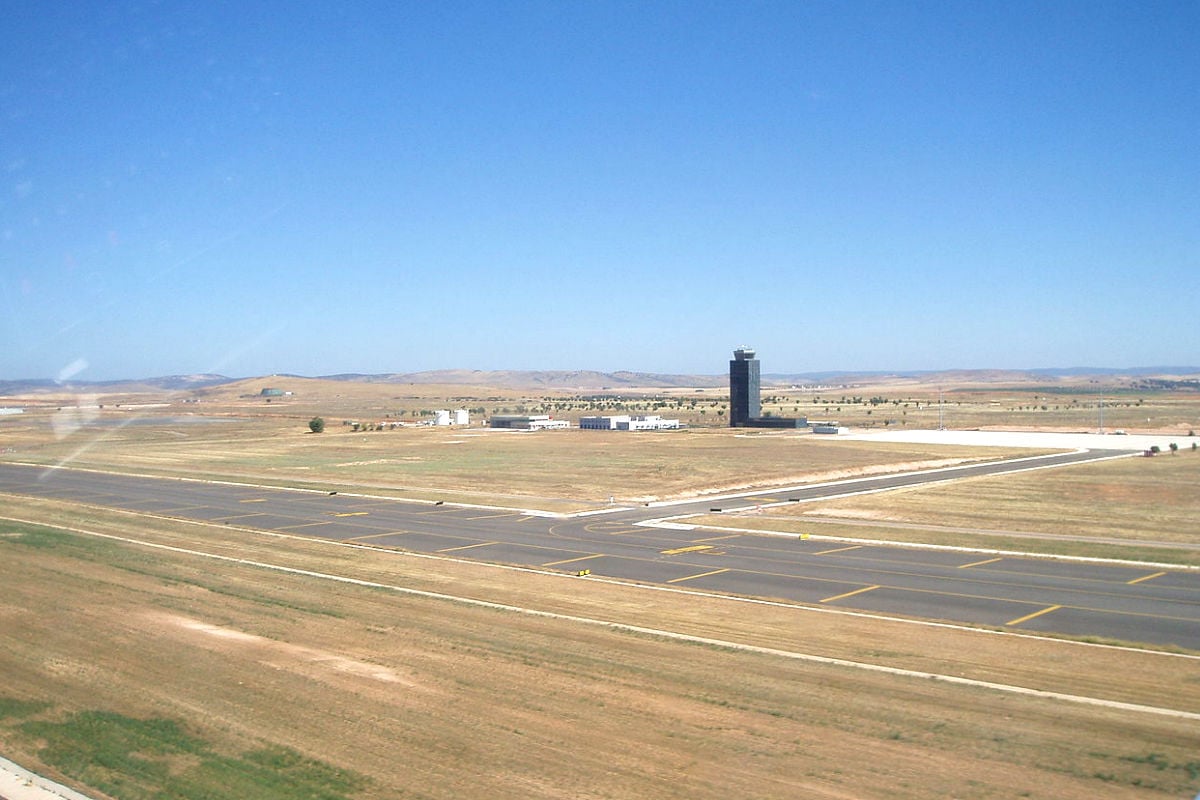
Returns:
(1028, 617)
(839, 550)
(254, 500)
(980, 563)
(494, 516)
(849, 594)
(572, 560)
(466, 547)
(692, 549)
(1144, 578)
(701, 575)
(302, 525)
(721, 538)
(352, 514)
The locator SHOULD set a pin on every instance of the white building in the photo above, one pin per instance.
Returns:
(456, 417)
(527, 422)
(625, 422)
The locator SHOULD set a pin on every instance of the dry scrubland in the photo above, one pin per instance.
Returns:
(177, 674)
(409, 696)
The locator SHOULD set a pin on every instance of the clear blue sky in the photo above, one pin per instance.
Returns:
(253, 188)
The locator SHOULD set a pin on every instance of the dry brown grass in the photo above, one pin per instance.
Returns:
(433, 698)
(554, 470)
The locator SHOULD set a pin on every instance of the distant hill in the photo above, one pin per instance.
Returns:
(591, 380)
(169, 383)
(547, 379)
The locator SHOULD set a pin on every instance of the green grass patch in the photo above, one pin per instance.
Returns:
(13, 708)
(156, 759)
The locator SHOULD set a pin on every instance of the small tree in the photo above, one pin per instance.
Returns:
(1174, 448)
(316, 425)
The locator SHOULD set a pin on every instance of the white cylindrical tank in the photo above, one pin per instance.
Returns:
(461, 417)
(441, 417)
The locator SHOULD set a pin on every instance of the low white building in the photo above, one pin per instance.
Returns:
(626, 422)
(528, 422)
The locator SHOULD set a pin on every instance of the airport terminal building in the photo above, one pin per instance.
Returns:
(625, 422)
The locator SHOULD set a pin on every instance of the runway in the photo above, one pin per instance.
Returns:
(1103, 600)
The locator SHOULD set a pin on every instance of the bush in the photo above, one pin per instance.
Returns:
(316, 425)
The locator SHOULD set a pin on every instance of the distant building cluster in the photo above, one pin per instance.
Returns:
(745, 406)
(625, 422)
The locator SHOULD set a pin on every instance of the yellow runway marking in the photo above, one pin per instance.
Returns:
(849, 594)
(980, 563)
(693, 549)
(494, 516)
(255, 500)
(1028, 617)
(351, 514)
(376, 536)
(302, 525)
(1144, 578)
(466, 547)
(701, 575)
(571, 560)
(839, 550)
(721, 538)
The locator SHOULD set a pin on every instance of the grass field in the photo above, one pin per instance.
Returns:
(186, 660)
(407, 695)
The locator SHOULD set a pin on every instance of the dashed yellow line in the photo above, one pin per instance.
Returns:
(351, 514)
(700, 575)
(254, 500)
(1145, 578)
(572, 560)
(839, 550)
(692, 549)
(980, 563)
(1028, 617)
(849, 594)
(466, 547)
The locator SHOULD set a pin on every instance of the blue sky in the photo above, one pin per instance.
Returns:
(382, 187)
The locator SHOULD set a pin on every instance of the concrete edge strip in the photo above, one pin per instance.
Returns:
(672, 635)
(18, 783)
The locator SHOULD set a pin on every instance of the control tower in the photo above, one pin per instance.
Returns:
(743, 388)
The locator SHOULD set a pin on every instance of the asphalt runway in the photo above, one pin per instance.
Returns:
(1130, 603)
